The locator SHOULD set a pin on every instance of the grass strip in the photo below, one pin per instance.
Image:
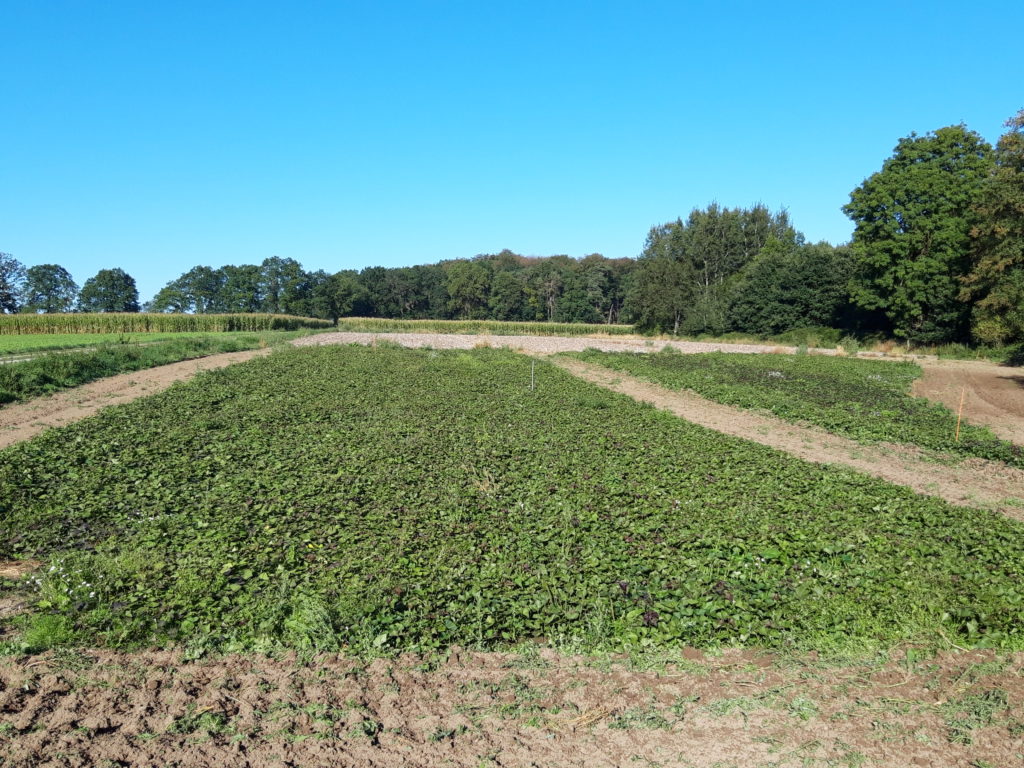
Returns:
(62, 370)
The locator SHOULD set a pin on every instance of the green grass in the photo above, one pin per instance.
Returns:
(866, 400)
(45, 342)
(61, 370)
(376, 500)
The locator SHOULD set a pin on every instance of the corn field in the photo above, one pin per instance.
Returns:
(144, 322)
(497, 327)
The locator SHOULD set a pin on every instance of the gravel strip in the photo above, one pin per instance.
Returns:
(540, 345)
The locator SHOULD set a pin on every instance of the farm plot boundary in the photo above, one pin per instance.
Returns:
(974, 482)
(22, 421)
(487, 709)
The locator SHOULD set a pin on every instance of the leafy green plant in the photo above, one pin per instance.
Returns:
(866, 400)
(381, 500)
(55, 371)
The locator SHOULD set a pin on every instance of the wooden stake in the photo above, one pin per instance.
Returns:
(960, 413)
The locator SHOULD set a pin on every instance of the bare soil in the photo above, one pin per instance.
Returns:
(540, 345)
(21, 421)
(993, 395)
(499, 709)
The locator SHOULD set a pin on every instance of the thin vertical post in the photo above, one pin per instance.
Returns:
(960, 413)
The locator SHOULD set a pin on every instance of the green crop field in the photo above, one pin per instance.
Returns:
(47, 342)
(866, 400)
(373, 500)
(151, 322)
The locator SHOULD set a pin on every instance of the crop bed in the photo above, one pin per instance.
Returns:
(866, 400)
(382, 499)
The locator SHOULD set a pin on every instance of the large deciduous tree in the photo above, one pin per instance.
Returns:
(109, 290)
(48, 288)
(283, 285)
(789, 286)
(240, 290)
(709, 249)
(911, 240)
(996, 279)
(469, 286)
(662, 286)
(12, 277)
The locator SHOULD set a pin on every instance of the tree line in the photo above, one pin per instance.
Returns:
(937, 255)
(50, 288)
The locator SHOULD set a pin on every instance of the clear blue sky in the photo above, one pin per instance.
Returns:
(157, 136)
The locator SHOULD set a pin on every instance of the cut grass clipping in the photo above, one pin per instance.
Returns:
(866, 400)
(386, 499)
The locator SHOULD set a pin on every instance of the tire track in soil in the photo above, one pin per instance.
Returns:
(972, 482)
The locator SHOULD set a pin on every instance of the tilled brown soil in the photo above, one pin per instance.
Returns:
(974, 482)
(993, 395)
(540, 709)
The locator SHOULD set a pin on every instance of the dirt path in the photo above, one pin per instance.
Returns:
(20, 421)
(974, 482)
(993, 394)
(472, 709)
(541, 345)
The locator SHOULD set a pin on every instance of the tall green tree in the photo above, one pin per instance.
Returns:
(711, 247)
(48, 288)
(335, 296)
(996, 279)
(662, 286)
(12, 277)
(510, 296)
(911, 239)
(283, 284)
(198, 290)
(240, 288)
(789, 286)
(718, 242)
(469, 286)
(109, 290)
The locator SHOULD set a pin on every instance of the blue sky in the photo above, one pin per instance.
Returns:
(157, 136)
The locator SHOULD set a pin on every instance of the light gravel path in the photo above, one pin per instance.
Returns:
(540, 345)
